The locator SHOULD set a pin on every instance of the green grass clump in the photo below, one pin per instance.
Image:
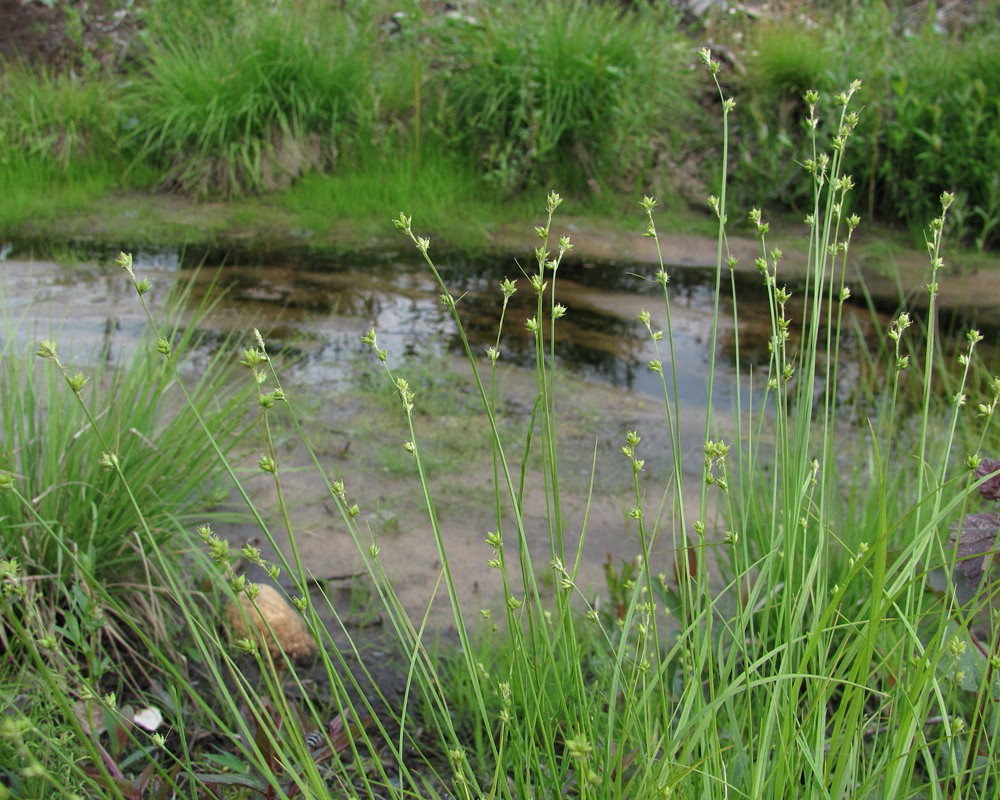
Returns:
(931, 116)
(785, 61)
(942, 129)
(56, 118)
(250, 106)
(562, 92)
(69, 506)
(59, 139)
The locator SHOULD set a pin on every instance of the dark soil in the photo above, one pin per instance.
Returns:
(69, 35)
(32, 33)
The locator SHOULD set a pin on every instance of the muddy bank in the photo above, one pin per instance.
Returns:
(357, 445)
(882, 262)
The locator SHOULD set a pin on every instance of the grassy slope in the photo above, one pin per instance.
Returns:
(65, 190)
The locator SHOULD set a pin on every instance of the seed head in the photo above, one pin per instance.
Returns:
(579, 748)
(252, 554)
(252, 357)
(47, 349)
(77, 382)
(219, 552)
(403, 222)
(246, 646)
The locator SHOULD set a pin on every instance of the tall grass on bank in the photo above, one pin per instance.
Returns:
(224, 98)
(931, 119)
(796, 648)
(525, 92)
(58, 143)
(78, 510)
(249, 107)
(56, 118)
(571, 92)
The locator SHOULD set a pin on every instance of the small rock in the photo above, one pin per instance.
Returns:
(290, 632)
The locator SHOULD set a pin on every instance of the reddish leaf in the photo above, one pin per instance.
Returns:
(975, 539)
(991, 488)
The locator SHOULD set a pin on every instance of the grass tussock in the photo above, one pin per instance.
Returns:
(59, 136)
(550, 91)
(248, 108)
(56, 118)
(69, 506)
(928, 118)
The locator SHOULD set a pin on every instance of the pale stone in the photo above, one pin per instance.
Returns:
(290, 632)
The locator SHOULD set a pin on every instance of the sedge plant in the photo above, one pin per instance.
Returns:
(795, 648)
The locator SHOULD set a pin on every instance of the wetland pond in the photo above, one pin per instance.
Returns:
(316, 309)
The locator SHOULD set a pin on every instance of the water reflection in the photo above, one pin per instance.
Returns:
(331, 304)
(599, 339)
(322, 305)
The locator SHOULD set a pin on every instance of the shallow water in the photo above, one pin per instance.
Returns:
(319, 309)
(322, 304)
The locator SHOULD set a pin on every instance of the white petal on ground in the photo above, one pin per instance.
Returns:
(149, 718)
